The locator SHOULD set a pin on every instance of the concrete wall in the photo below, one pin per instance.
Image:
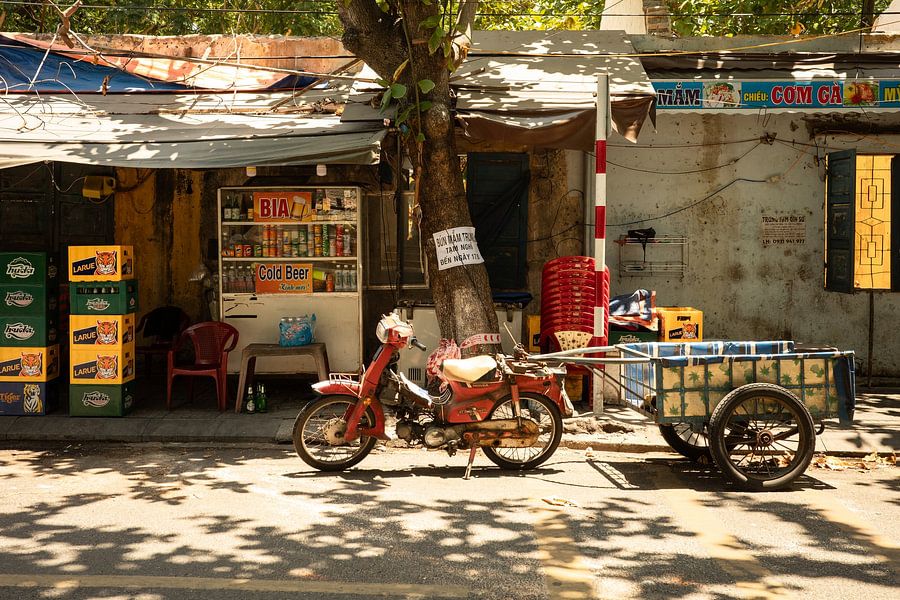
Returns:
(668, 181)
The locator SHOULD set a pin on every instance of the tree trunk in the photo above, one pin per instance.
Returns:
(462, 294)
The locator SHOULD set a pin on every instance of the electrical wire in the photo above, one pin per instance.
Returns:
(302, 11)
(692, 204)
(703, 170)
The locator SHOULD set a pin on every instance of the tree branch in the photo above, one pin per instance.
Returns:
(367, 26)
(462, 39)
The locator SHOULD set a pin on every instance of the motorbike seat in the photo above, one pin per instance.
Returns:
(470, 370)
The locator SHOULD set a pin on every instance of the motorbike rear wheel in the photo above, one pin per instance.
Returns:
(319, 430)
(540, 409)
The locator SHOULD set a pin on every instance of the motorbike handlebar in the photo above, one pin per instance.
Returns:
(417, 344)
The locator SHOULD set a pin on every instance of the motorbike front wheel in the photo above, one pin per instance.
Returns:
(319, 434)
(539, 409)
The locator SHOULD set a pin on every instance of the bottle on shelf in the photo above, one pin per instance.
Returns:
(242, 211)
(352, 285)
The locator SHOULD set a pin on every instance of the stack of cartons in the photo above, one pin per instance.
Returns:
(29, 348)
(103, 302)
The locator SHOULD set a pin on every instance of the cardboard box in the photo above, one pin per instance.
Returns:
(110, 298)
(29, 364)
(87, 331)
(632, 337)
(28, 268)
(533, 332)
(680, 324)
(28, 331)
(101, 263)
(109, 365)
(94, 400)
(28, 300)
(21, 398)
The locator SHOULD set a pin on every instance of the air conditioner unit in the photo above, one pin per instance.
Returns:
(424, 322)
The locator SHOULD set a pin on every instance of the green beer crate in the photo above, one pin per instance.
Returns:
(101, 400)
(632, 337)
(103, 297)
(28, 300)
(28, 331)
(28, 268)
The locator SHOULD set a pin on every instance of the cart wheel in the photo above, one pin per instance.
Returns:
(685, 441)
(761, 436)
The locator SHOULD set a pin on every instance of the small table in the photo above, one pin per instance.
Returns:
(253, 351)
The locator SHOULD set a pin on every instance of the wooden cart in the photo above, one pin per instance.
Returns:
(755, 407)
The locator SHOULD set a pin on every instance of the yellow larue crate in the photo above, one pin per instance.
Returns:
(29, 364)
(680, 324)
(101, 263)
(113, 365)
(88, 331)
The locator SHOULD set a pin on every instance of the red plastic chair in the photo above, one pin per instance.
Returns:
(212, 342)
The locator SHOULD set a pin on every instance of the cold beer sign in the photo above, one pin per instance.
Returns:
(284, 278)
(281, 206)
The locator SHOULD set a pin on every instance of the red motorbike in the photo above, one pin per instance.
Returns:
(509, 406)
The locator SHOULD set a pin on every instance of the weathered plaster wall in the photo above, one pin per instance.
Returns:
(746, 290)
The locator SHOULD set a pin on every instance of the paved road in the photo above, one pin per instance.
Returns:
(151, 523)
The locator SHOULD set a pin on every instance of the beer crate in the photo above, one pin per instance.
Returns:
(108, 365)
(105, 298)
(19, 398)
(97, 400)
(631, 337)
(28, 331)
(101, 263)
(28, 268)
(28, 300)
(88, 331)
(29, 364)
(680, 324)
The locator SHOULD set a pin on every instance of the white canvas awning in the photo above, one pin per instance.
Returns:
(539, 87)
(188, 131)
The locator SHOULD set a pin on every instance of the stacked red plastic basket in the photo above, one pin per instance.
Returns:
(569, 293)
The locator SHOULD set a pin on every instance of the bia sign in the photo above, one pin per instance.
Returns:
(281, 206)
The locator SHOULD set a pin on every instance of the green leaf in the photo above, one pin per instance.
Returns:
(426, 85)
(385, 99)
(431, 22)
(403, 116)
(436, 39)
(424, 105)
(420, 137)
(383, 5)
(398, 90)
(383, 82)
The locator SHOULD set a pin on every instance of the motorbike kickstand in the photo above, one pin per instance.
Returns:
(472, 452)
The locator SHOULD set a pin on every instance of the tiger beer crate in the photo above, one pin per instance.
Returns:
(101, 263)
(101, 331)
(101, 364)
(680, 324)
(29, 268)
(28, 331)
(29, 364)
(19, 398)
(103, 298)
(28, 300)
(98, 400)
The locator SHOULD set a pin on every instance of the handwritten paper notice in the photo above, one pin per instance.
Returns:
(456, 247)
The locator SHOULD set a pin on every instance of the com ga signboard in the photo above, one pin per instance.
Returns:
(753, 95)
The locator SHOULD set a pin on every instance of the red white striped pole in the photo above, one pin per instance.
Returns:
(601, 306)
